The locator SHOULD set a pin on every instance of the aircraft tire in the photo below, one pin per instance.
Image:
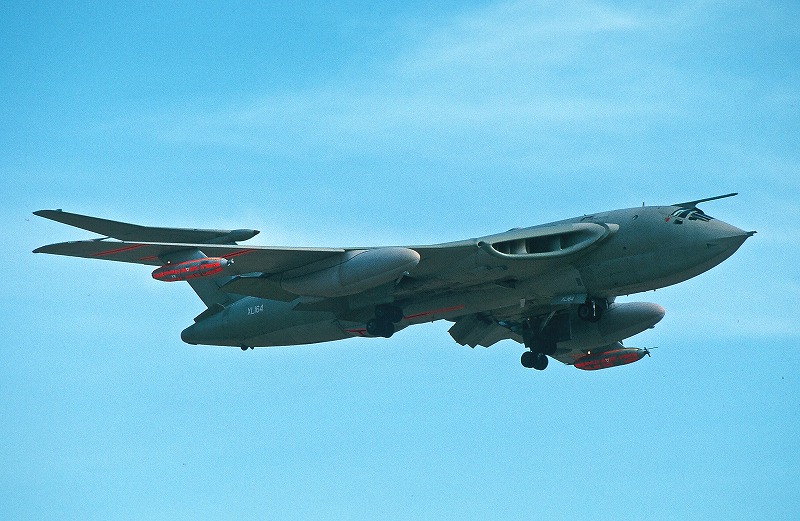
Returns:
(527, 359)
(533, 360)
(380, 327)
(387, 330)
(540, 362)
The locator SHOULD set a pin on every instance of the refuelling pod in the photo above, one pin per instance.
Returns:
(192, 269)
(350, 272)
(611, 358)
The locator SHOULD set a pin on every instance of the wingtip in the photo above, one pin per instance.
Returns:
(45, 213)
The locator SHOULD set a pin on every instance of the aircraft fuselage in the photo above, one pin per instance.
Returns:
(620, 252)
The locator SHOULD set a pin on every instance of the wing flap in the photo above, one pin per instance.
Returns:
(476, 330)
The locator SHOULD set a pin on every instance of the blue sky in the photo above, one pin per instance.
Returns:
(351, 123)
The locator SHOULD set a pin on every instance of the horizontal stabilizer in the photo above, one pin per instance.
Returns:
(134, 232)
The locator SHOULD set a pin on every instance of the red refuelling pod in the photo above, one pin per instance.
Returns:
(191, 269)
(625, 355)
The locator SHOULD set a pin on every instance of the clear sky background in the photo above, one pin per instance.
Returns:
(359, 123)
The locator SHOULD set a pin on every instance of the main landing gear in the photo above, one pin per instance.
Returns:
(386, 316)
(541, 341)
(531, 360)
(541, 335)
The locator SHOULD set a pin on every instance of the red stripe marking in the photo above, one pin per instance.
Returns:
(237, 253)
(150, 258)
(118, 250)
(435, 312)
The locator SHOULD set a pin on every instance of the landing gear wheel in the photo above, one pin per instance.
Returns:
(380, 327)
(244, 348)
(533, 360)
(540, 362)
(527, 359)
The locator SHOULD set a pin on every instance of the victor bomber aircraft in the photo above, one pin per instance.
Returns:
(550, 287)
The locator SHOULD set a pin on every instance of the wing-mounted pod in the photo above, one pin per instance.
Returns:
(351, 272)
(191, 269)
(547, 243)
(338, 275)
(616, 355)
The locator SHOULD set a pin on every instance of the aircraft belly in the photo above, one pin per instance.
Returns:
(515, 293)
(309, 333)
(259, 322)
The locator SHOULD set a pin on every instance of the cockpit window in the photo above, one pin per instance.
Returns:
(693, 214)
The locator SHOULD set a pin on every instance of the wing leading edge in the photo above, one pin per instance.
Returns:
(156, 246)
(246, 259)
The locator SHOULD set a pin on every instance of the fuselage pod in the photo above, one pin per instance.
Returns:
(614, 357)
(192, 269)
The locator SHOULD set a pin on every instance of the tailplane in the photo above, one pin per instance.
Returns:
(208, 289)
(134, 232)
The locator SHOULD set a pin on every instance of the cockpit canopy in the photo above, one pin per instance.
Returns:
(692, 214)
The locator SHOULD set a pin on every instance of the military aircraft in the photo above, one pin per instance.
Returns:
(552, 288)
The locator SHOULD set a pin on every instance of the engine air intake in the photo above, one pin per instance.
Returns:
(548, 242)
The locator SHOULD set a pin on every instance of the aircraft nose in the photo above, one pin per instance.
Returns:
(724, 236)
